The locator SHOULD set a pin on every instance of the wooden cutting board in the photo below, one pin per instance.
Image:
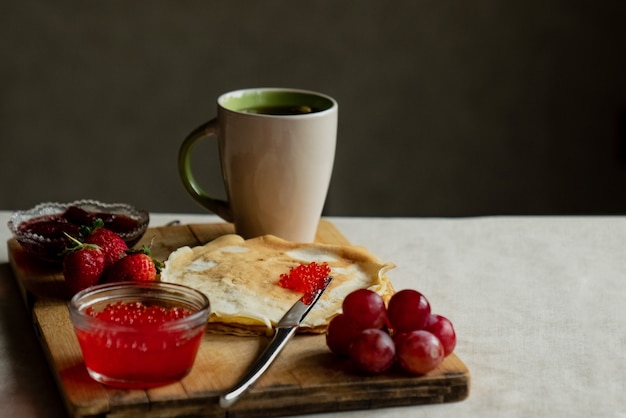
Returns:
(306, 378)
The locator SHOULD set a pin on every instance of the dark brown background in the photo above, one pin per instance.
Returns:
(447, 108)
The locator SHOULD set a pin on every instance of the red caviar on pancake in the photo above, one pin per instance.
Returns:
(306, 278)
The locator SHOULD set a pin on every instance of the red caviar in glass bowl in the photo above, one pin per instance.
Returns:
(139, 335)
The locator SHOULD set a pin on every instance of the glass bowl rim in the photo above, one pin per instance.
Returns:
(52, 208)
(83, 321)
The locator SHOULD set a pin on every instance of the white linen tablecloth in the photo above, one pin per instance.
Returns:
(537, 303)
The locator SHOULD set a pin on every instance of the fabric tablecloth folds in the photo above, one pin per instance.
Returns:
(537, 303)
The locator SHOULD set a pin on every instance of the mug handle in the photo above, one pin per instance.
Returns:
(220, 207)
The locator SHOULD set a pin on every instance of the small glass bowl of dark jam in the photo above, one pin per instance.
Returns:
(41, 230)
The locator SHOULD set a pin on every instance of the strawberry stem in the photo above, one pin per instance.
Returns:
(147, 250)
(85, 231)
(79, 245)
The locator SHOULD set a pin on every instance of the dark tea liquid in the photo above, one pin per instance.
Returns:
(281, 110)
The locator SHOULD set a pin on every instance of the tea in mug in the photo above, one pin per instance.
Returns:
(281, 110)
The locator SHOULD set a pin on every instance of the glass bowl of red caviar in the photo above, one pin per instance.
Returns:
(139, 335)
(41, 230)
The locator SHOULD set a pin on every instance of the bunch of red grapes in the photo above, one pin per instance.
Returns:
(405, 331)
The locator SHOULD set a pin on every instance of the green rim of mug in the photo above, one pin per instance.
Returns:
(245, 99)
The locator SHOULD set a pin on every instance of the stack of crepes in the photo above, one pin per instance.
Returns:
(240, 278)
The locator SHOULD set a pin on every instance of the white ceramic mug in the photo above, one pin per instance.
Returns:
(277, 149)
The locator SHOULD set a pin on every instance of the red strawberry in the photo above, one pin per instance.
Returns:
(83, 265)
(137, 265)
(111, 244)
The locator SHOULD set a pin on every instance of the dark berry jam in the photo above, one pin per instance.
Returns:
(117, 223)
(70, 221)
(52, 228)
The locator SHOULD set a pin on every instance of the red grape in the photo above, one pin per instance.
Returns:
(375, 337)
(408, 310)
(340, 333)
(442, 328)
(419, 352)
(365, 308)
(373, 350)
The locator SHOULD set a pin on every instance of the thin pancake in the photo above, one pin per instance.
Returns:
(240, 278)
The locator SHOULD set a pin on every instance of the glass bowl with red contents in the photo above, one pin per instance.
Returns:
(138, 335)
(41, 229)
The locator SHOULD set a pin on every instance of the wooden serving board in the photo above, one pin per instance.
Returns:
(306, 377)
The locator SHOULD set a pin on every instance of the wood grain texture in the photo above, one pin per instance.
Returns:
(306, 378)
